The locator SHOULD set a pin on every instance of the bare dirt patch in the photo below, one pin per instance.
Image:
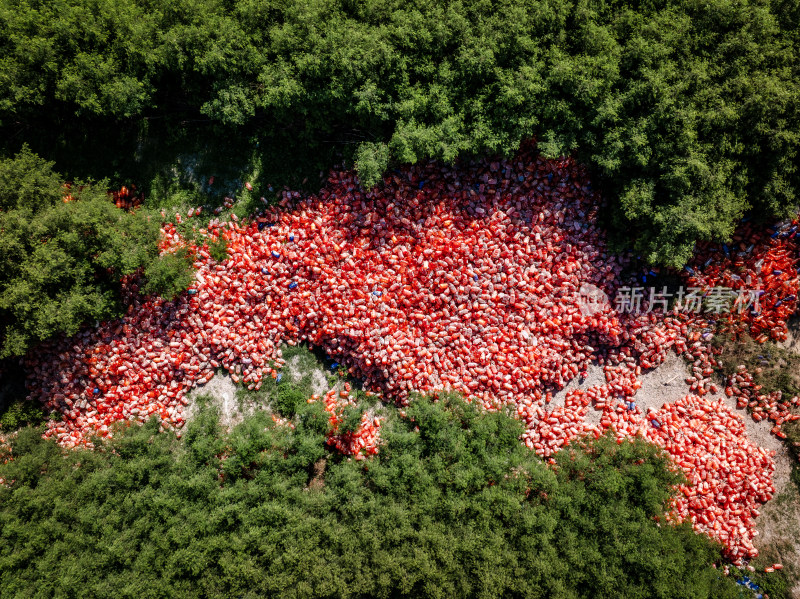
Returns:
(221, 392)
(304, 373)
(298, 369)
(594, 377)
(792, 342)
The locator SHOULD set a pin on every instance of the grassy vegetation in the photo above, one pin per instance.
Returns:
(17, 413)
(172, 161)
(775, 585)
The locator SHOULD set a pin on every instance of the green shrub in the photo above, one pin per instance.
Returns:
(21, 413)
(350, 419)
(218, 249)
(169, 274)
(61, 261)
(686, 112)
(287, 400)
(453, 506)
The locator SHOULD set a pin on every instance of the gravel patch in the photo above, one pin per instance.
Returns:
(222, 391)
(319, 381)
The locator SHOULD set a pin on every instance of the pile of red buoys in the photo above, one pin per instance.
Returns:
(765, 260)
(359, 443)
(728, 475)
(127, 198)
(468, 279)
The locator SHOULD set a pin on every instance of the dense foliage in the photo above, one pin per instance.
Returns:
(455, 508)
(689, 110)
(17, 413)
(63, 251)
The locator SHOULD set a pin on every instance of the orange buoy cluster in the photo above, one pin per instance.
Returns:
(360, 443)
(466, 279)
(763, 260)
(728, 475)
(127, 198)
(443, 279)
(67, 197)
(124, 198)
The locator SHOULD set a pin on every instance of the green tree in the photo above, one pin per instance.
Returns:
(687, 113)
(453, 506)
(61, 258)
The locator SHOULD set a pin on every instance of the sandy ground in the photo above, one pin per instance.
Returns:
(792, 342)
(222, 391)
(779, 528)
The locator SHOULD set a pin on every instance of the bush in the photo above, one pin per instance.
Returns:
(169, 274)
(458, 508)
(350, 419)
(63, 251)
(21, 413)
(287, 400)
(218, 249)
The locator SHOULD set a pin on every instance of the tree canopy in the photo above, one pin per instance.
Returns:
(63, 250)
(687, 111)
(453, 506)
